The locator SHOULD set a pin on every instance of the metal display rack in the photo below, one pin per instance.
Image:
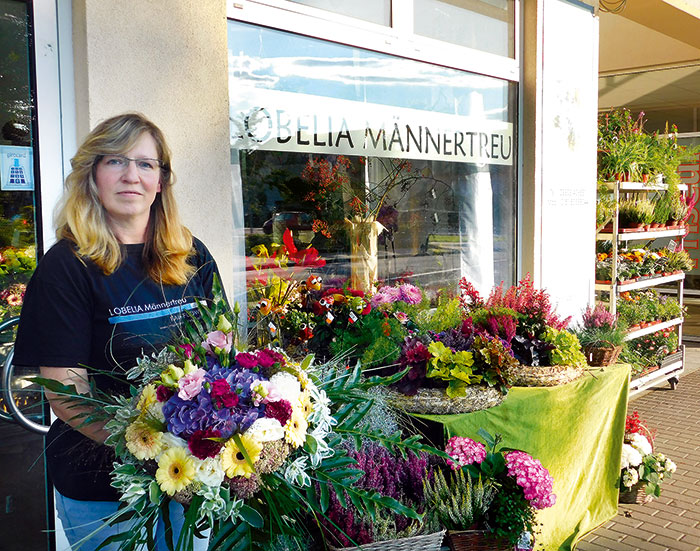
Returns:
(672, 366)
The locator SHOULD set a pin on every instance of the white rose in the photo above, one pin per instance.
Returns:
(169, 440)
(287, 385)
(670, 466)
(209, 471)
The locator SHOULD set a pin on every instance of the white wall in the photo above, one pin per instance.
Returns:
(167, 60)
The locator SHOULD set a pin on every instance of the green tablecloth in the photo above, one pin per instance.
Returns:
(576, 431)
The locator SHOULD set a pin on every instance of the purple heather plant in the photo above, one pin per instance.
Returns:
(390, 476)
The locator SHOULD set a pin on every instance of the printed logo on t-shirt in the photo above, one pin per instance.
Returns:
(139, 312)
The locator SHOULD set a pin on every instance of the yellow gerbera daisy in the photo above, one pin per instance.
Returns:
(234, 463)
(295, 429)
(147, 398)
(305, 404)
(143, 441)
(175, 470)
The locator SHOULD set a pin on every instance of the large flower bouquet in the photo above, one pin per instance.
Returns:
(492, 488)
(239, 437)
(641, 466)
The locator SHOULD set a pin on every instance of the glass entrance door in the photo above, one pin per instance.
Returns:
(24, 523)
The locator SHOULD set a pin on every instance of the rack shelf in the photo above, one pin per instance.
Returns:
(670, 371)
(648, 330)
(665, 373)
(643, 284)
(641, 235)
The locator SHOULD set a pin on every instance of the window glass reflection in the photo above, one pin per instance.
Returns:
(385, 168)
(486, 25)
(374, 11)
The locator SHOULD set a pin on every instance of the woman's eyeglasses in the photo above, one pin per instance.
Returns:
(120, 163)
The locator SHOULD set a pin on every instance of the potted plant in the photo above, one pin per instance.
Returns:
(678, 261)
(492, 495)
(678, 210)
(601, 336)
(642, 470)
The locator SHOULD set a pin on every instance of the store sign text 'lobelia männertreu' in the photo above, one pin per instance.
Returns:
(283, 121)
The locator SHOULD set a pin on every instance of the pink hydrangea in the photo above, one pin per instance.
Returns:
(532, 477)
(465, 451)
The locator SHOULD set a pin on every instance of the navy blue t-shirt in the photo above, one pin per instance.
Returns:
(76, 316)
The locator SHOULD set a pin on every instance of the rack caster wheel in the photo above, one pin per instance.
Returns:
(673, 381)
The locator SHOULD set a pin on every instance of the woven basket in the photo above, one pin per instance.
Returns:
(434, 401)
(476, 540)
(426, 542)
(551, 375)
(601, 356)
(636, 494)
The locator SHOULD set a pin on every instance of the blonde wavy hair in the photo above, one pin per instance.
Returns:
(81, 218)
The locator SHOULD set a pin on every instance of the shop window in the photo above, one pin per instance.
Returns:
(374, 11)
(486, 25)
(17, 236)
(328, 139)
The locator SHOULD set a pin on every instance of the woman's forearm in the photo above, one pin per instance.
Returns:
(66, 410)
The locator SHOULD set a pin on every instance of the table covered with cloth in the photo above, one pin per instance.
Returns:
(576, 431)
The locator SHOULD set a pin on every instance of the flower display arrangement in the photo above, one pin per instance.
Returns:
(645, 354)
(280, 276)
(638, 309)
(642, 470)
(492, 488)
(239, 436)
(524, 318)
(642, 263)
(601, 336)
(485, 344)
(627, 153)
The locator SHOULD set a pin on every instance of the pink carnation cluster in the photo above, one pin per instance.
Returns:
(465, 451)
(534, 479)
(410, 294)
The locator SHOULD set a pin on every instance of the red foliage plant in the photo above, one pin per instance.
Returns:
(533, 306)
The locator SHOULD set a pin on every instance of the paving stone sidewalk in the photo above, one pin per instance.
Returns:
(671, 522)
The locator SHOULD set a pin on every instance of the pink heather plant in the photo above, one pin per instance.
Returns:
(464, 451)
(534, 479)
(598, 317)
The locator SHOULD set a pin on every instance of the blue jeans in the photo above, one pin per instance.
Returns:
(81, 518)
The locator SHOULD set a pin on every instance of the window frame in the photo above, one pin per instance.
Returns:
(396, 40)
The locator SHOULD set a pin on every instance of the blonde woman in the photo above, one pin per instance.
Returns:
(118, 283)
